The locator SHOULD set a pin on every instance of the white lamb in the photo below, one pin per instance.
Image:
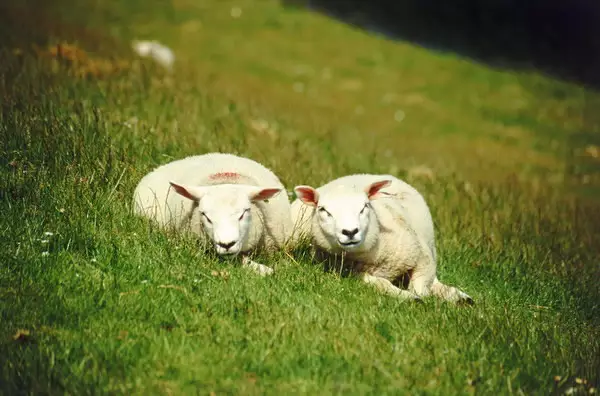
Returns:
(382, 228)
(231, 201)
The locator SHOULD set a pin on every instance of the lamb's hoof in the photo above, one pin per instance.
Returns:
(465, 301)
(418, 300)
(259, 269)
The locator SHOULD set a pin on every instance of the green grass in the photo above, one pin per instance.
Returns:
(110, 304)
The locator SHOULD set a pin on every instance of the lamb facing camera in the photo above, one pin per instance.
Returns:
(380, 226)
(235, 203)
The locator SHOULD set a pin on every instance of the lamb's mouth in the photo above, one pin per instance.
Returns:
(349, 243)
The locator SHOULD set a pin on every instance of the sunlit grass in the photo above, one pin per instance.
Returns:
(96, 300)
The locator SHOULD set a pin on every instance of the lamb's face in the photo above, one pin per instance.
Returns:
(225, 210)
(344, 219)
(226, 218)
(344, 215)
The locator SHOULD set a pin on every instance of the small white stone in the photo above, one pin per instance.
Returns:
(142, 47)
(160, 53)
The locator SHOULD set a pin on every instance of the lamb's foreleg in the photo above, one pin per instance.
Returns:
(260, 269)
(450, 293)
(423, 272)
(422, 278)
(424, 282)
(387, 287)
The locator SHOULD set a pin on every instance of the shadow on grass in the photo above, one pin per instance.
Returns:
(560, 38)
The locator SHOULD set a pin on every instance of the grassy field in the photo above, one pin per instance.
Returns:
(94, 300)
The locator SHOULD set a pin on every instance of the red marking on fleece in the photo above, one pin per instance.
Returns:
(225, 176)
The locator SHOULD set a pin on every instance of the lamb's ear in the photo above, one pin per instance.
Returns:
(190, 192)
(307, 194)
(373, 189)
(263, 194)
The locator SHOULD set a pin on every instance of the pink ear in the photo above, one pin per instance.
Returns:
(183, 191)
(374, 188)
(307, 194)
(265, 193)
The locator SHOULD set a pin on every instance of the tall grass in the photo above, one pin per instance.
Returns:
(96, 300)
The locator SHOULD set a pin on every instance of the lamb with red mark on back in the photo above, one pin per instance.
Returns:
(236, 203)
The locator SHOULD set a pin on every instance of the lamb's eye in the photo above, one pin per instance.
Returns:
(244, 213)
(206, 217)
(323, 210)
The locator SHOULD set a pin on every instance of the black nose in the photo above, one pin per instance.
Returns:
(350, 233)
(226, 245)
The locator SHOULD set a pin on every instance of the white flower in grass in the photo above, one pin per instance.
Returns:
(44, 254)
(48, 233)
(130, 123)
(145, 281)
(44, 241)
(93, 260)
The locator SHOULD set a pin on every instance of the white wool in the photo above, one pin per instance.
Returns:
(384, 237)
(222, 185)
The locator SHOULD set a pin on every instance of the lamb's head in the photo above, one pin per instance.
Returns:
(344, 215)
(225, 210)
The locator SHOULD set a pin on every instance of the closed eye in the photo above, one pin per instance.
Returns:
(323, 210)
(206, 217)
(244, 213)
(364, 208)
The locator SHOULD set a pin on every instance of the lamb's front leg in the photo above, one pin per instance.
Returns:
(424, 270)
(450, 293)
(421, 278)
(424, 282)
(260, 269)
(387, 287)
